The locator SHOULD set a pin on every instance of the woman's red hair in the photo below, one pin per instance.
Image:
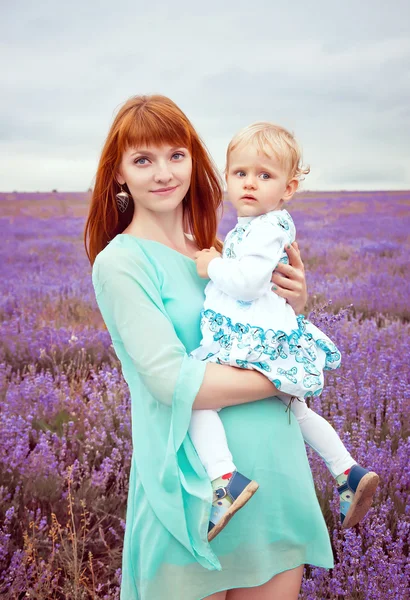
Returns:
(153, 120)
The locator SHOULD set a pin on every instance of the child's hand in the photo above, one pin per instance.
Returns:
(203, 258)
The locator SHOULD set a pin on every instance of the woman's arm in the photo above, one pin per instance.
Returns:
(131, 305)
(289, 280)
(226, 386)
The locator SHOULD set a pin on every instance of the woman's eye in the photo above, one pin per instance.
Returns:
(178, 155)
(139, 161)
(265, 176)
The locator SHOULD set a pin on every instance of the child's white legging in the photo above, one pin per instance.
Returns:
(208, 436)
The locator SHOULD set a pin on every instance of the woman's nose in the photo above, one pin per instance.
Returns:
(163, 173)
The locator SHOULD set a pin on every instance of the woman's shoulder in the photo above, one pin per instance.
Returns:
(122, 255)
(120, 248)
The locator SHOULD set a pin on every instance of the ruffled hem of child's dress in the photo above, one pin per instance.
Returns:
(294, 361)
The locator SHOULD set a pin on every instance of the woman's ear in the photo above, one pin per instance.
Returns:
(291, 188)
(119, 178)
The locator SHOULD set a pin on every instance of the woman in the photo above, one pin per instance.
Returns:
(155, 182)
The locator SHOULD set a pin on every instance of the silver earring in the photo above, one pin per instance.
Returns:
(123, 199)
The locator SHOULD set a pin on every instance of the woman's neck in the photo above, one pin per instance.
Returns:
(166, 228)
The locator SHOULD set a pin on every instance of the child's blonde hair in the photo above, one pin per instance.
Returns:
(267, 138)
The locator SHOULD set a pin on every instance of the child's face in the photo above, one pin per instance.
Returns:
(257, 183)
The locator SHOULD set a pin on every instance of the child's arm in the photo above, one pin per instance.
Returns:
(248, 277)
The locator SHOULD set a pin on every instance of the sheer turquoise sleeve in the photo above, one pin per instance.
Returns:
(163, 382)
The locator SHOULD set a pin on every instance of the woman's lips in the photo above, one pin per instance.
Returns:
(164, 191)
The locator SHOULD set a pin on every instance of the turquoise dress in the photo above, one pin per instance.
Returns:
(150, 297)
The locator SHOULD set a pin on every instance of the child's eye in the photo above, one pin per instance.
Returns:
(265, 176)
(240, 173)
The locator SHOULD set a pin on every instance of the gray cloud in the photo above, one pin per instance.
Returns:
(364, 175)
(337, 75)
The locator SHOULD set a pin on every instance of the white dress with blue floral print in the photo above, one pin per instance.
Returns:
(245, 324)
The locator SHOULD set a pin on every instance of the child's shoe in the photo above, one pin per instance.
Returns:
(357, 487)
(231, 492)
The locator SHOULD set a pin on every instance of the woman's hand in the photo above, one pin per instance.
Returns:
(289, 280)
(203, 258)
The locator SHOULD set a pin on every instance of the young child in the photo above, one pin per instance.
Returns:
(246, 325)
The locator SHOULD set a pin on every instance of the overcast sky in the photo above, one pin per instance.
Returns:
(335, 73)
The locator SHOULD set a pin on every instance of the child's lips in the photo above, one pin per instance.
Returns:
(248, 197)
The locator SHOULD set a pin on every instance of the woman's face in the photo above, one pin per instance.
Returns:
(158, 177)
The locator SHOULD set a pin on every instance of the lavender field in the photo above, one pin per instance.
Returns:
(65, 440)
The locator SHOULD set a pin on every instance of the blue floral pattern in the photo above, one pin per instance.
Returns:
(291, 361)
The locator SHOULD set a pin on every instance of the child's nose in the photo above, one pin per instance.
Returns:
(249, 182)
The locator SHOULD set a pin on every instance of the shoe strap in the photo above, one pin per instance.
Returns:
(355, 475)
(353, 479)
(234, 488)
(220, 493)
(343, 488)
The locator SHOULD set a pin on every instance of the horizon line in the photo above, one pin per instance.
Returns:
(55, 191)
